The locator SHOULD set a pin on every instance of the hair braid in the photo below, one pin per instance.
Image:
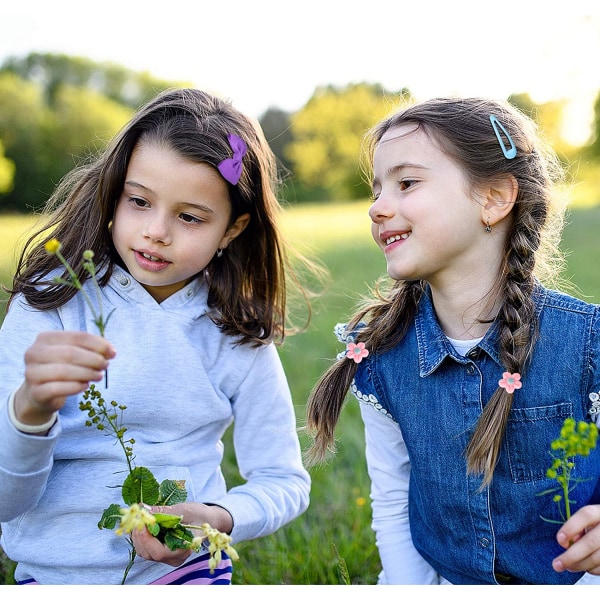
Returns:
(517, 334)
(389, 317)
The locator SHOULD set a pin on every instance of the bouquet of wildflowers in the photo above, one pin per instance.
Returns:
(576, 439)
(140, 488)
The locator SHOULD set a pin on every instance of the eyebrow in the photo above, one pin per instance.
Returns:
(202, 207)
(400, 167)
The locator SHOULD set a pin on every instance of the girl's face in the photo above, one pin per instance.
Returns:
(171, 218)
(424, 217)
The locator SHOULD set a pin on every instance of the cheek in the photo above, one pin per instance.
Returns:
(375, 233)
(119, 227)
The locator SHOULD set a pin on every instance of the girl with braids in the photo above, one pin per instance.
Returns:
(182, 217)
(467, 365)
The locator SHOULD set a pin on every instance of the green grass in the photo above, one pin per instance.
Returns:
(335, 532)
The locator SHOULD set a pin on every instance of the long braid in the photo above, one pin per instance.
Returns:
(389, 318)
(517, 332)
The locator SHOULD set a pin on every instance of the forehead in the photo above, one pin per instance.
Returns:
(407, 142)
(405, 135)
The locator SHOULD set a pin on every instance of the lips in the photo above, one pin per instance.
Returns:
(150, 261)
(391, 239)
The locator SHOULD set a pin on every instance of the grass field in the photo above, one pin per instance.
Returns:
(334, 535)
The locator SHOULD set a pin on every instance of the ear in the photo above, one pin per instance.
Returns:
(498, 200)
(234, 230)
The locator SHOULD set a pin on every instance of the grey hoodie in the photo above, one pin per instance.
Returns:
(184, 383)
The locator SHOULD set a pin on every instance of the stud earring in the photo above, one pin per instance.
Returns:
(219, 252)
(488, 228)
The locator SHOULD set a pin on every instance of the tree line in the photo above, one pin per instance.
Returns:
(57, 111)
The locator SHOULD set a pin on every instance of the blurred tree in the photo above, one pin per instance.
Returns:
(23, 118)
(7, 172)
(51, 71)
(550, 117)
(275, 124)
(327, 137)
(82, 123)
(592, 150)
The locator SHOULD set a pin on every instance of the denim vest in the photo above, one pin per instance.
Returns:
(437, 396)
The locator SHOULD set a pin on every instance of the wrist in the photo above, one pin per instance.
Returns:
(24, 427)
(221, 519)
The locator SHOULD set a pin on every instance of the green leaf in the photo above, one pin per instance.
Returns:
(140, 486)
(177, 538)
(551, 520)
(110, 517)
(550, 491)
(154, 529)
(172, 492)
(167, 521)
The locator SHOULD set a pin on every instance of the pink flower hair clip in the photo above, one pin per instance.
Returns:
(356, 351)
(510, 382)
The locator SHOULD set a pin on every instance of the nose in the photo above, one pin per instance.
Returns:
(380, 209)
(156, 229)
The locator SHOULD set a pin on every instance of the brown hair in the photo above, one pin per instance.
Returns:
(463, 130)
(247, 285)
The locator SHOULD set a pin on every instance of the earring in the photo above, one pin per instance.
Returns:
(488, 228)
(219, 252)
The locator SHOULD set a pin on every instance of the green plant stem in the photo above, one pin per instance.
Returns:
(565, 488)
(77, 285)
(98, 320)
(132, 555)
(118, 435)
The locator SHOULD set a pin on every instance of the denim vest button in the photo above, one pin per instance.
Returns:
(470, 369)
(484, 542)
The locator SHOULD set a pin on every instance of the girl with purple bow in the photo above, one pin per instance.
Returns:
(181, 215)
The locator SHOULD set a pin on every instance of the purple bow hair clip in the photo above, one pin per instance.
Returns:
(231, 168)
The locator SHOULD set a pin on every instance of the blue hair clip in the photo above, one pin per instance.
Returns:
(510, 152)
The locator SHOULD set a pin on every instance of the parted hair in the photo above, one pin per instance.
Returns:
(247, 285)
(462, 129)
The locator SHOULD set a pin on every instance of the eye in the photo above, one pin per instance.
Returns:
(375, 193)
(407, 183)
(140, 202)
(187, 218)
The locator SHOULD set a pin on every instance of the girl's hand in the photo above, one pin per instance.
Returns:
(192, 513)
(58, 364)
(580, 536)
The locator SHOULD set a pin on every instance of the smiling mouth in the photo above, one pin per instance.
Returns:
(396, 238)
(152, 258)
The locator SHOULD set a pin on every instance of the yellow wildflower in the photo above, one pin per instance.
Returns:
(52, 246)
(218, 542)
(134, 517)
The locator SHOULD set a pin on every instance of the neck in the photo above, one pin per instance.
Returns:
(466, 311)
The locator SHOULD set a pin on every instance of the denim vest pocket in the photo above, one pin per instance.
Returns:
(529, 433)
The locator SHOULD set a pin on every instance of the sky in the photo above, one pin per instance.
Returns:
(275, 53)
